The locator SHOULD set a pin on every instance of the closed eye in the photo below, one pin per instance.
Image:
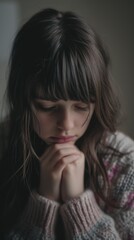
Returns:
(47, 109)
(39, 106)
(82, 108)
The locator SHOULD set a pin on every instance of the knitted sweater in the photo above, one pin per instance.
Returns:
(83, 218)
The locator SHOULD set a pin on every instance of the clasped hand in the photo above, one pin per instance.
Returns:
(62, 172)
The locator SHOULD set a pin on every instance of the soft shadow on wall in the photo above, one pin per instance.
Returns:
(9, 22)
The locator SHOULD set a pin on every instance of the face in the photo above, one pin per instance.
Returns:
(61, 121)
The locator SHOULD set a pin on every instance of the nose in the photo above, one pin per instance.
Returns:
(65, 120)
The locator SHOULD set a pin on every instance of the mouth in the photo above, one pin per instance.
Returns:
(63, 139)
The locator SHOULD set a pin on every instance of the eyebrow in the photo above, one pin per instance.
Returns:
(44, 99)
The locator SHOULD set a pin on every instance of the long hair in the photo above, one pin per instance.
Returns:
(55, 54)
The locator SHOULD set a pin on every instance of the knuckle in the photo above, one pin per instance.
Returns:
(69, 168)
(56, 146)
(60, 152)
(63, 161)
(82, 155)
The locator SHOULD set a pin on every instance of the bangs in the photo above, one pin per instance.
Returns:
(66, 76)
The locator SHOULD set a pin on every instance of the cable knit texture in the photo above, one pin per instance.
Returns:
(85, 218)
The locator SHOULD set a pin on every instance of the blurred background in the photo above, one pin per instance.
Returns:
(113, 20)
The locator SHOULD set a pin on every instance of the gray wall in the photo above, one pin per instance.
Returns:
(113, 20)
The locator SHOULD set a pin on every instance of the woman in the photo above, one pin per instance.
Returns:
(66, 172)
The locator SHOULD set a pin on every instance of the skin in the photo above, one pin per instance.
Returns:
(62, 164)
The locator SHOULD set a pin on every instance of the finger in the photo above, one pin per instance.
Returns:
(51, 149)
(64, 162)
(56, 152)
(63, 153)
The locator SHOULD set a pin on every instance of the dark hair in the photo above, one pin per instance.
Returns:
(55, 54)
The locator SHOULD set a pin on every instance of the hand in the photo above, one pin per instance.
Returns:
(73, 178)
(52, 163)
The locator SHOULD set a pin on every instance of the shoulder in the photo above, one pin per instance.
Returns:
(121, 141)
(119, 159)
(123, 145)
(119, 164)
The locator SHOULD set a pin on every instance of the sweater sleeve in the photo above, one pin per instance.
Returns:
(38, 220)
(84, 220)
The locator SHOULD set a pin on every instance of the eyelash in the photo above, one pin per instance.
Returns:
(83, 108)
(50, 109)
(45, 109)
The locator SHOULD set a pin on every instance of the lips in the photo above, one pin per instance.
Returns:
(63, 139)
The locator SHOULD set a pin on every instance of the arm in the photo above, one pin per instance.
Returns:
(38, 220)
(83, 219)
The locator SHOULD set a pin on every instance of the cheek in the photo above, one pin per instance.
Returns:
(87, 121)
(85, 126)
(42, 120)
(41, 123)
